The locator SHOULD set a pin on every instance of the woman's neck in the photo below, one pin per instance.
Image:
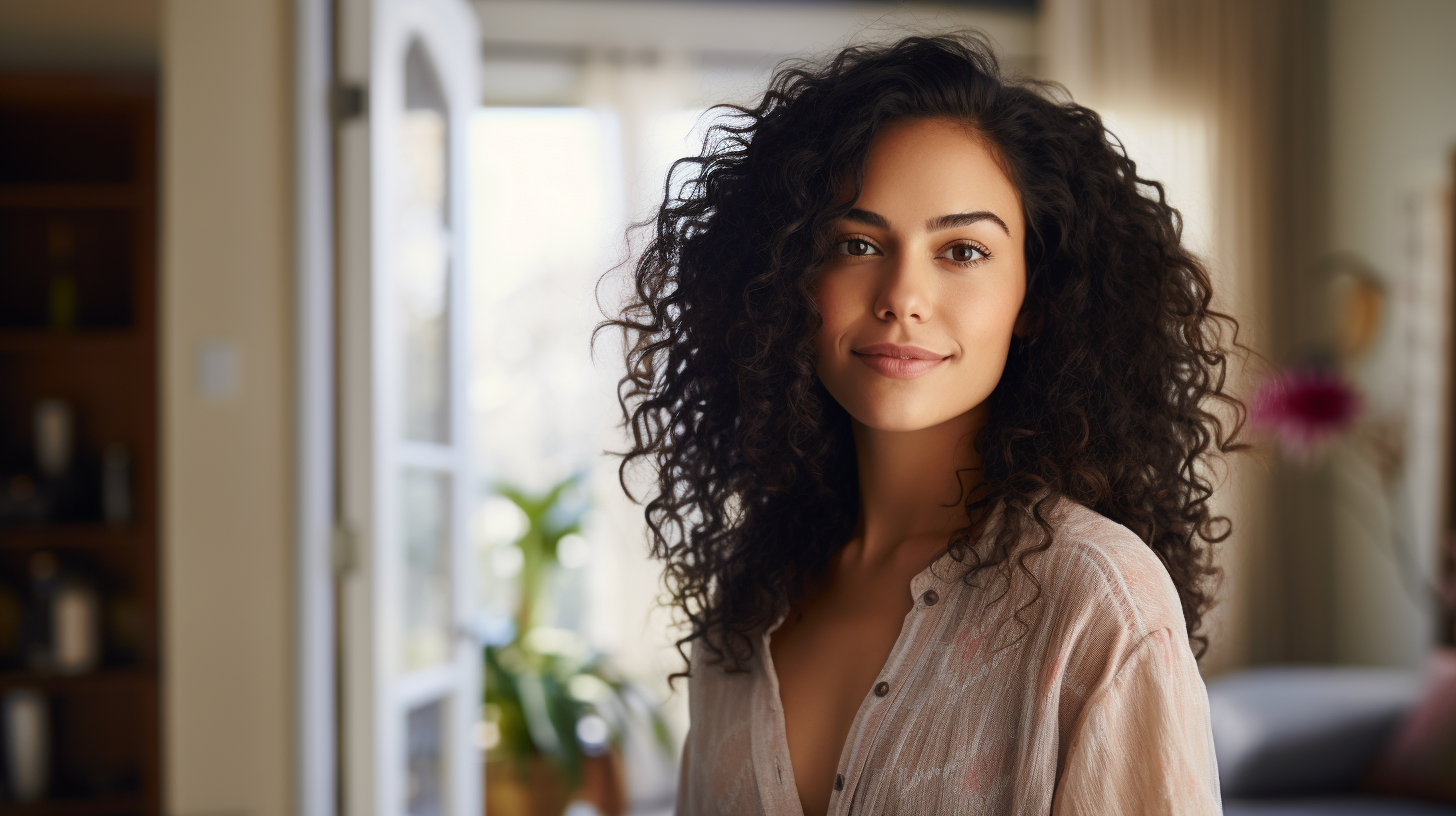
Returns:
(913, 484)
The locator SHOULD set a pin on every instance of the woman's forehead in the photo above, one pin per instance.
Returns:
(923, 169)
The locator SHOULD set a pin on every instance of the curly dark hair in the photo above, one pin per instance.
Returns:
(1115, 401)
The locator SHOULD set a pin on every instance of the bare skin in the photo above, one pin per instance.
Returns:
(834, 641)
(903, 274)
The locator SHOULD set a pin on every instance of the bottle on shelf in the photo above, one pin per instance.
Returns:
(22, 501)
(55, 456)
(59, 482)
(27, 744)
(42, 492)
(116, 499)
(63, 619)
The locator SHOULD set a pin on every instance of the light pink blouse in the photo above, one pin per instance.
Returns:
(1095, 706)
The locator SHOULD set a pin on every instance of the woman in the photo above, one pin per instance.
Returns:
(928, 382)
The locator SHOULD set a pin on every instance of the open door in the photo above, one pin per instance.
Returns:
(409, 667)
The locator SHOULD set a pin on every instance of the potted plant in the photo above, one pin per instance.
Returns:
(556, 710)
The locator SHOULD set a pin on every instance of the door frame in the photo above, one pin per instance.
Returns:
(315, 723)
(372, 39)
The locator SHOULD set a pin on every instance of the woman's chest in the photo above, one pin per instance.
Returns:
(951, 724)
(830, 652)
(826, 658)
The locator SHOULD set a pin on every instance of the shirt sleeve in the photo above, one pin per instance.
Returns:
(1143, 745)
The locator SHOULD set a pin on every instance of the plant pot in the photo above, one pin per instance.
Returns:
(541, 791)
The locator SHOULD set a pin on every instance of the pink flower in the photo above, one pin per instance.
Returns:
(1305, 407)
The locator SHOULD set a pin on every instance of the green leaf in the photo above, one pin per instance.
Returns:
(537, 710)
(529, 682)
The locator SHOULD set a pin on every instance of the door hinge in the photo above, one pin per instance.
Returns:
(351, 101)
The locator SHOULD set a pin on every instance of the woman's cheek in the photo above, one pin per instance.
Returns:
(987, 312)
(830, 298)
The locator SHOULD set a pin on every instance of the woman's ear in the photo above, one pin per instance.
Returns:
(1027, 324)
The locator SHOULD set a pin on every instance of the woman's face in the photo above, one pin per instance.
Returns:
(922, 292)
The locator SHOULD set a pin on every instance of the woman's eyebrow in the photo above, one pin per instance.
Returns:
(936, 224)
(867, 218)
(965, 219)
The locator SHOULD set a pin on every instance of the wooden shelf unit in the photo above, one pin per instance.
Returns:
(78, 160)
(80, 806)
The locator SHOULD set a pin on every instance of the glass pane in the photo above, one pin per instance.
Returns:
(425, 760)
(427, 568)
(422, 279)
(497, 525)
(543, 408)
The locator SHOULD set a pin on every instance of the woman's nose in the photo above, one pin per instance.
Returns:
(904, 291)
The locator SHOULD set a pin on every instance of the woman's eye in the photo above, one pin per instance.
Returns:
(856, 246)
(964, 253)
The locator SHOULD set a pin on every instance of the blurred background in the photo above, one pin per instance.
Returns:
(306, 504)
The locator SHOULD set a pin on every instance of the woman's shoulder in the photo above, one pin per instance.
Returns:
(1096, 567)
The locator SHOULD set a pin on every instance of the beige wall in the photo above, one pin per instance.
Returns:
(228, 466)
(1392, 68)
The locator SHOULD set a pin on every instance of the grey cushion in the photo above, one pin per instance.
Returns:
(1335, 806)
(1304, 730)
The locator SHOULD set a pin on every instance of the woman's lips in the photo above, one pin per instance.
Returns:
(896, 361)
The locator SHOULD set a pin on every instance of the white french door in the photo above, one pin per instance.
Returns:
(410, 670)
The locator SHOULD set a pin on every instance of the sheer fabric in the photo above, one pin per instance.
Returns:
(1092, 704)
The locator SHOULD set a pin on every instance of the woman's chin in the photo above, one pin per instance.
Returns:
(901, 418)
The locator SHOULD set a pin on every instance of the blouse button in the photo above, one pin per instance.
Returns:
(931, 597)
(839, 782)
(882, 688)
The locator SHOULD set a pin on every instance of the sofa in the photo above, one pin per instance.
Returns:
(1298, 740)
